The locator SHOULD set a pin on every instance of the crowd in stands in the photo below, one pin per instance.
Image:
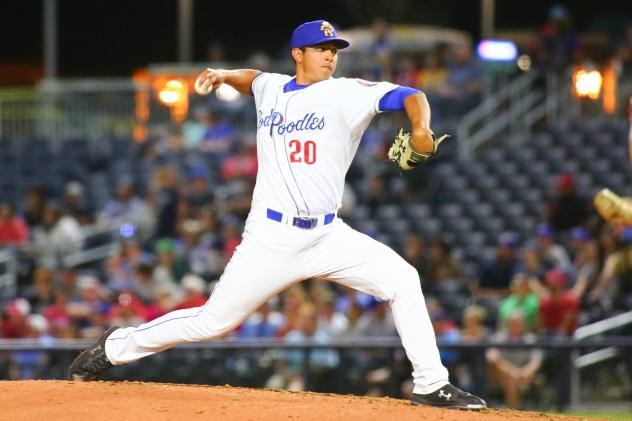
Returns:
(175, 223)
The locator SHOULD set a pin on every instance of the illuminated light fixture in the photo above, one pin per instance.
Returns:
(524, 63)
(587, 83)
(497, 50)
(227, 93)
(172, 93)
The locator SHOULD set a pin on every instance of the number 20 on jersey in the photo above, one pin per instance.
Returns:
(303, 152)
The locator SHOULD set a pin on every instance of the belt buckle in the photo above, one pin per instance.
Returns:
(304, 223)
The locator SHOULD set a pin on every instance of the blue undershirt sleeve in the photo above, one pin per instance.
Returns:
(394, 100)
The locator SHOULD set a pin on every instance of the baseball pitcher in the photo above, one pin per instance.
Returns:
(308, 130)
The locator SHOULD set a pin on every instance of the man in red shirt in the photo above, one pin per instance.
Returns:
(558, 308)
(13, 230)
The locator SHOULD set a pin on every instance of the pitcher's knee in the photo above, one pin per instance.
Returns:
(218, 323)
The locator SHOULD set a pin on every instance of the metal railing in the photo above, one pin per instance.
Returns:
(8, 273)
(559, 350)
(607, 352)
(514, 110)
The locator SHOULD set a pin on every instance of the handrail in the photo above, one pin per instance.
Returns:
(603, 325)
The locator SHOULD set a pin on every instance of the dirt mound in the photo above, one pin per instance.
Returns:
(134, 401)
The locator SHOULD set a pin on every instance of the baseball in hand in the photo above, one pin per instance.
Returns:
(201, 90)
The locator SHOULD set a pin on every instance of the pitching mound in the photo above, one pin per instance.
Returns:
(108, 401)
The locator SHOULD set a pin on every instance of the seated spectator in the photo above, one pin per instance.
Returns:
(523, 299)
(470, 371)
(552, 254)
(32, 364)
(558, 306)
(614, 283)
(264, 323)
(568, 209)
(15, 319)
(242, 164)
(57, 236)
(200, 192)
(463, 85)
(433, 74)
(127, 311)
(169, 267)
(126, 208)
(202, 257)
(495, 274)
(121, 267)
(13, 230)
(90, 312)
(514, 369)
(585, 262)
(34, 204)
(321, 361)
(194, 289)
(414, 252)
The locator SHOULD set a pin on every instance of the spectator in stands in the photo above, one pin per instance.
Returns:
(378, 321)
(218, 136)
(58, 317)
(443, 263)
(433, 74)
(202, 258)
(168, 198)
(415, 253)
(126, 208)
(531, 263)
(514, 369)
(76, 204)
(552, 254)
(34, 204)
(585, 262)
(121, 266)
(127, 311)
(382, 50)
(32, 364)
(264, 323)
(194, 289)
(523, 299)
(558, 306)
(558, 42)
(15, 318)
(41, 293)
(446, 331)
(242, 164)
(495, 274)
(471, 371)
(322, 361)
(614, 283)
(14, 232)
(169, 268)
(57, 236)
(90, 312)
(463, 85)
(200, 192)
(568, 209)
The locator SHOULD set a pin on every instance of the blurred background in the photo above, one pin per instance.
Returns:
(123, 194)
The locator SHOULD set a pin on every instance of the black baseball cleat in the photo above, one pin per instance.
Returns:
(449, 396)
(92, 361)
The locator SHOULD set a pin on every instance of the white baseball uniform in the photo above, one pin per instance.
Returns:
(306, 139)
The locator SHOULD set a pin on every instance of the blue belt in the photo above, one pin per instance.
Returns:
(303, 222)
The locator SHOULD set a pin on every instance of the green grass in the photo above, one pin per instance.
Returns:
(604, 415)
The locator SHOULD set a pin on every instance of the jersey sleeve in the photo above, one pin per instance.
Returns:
(264, 82)
(362, 100)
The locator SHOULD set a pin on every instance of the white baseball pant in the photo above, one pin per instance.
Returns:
(273, 256)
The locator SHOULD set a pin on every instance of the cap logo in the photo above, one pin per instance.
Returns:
(327, 29)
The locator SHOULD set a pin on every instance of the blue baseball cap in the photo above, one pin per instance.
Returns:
(316, 32)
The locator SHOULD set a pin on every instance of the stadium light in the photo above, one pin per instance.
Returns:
(497, 50)
(174, 92)
(587, 83)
